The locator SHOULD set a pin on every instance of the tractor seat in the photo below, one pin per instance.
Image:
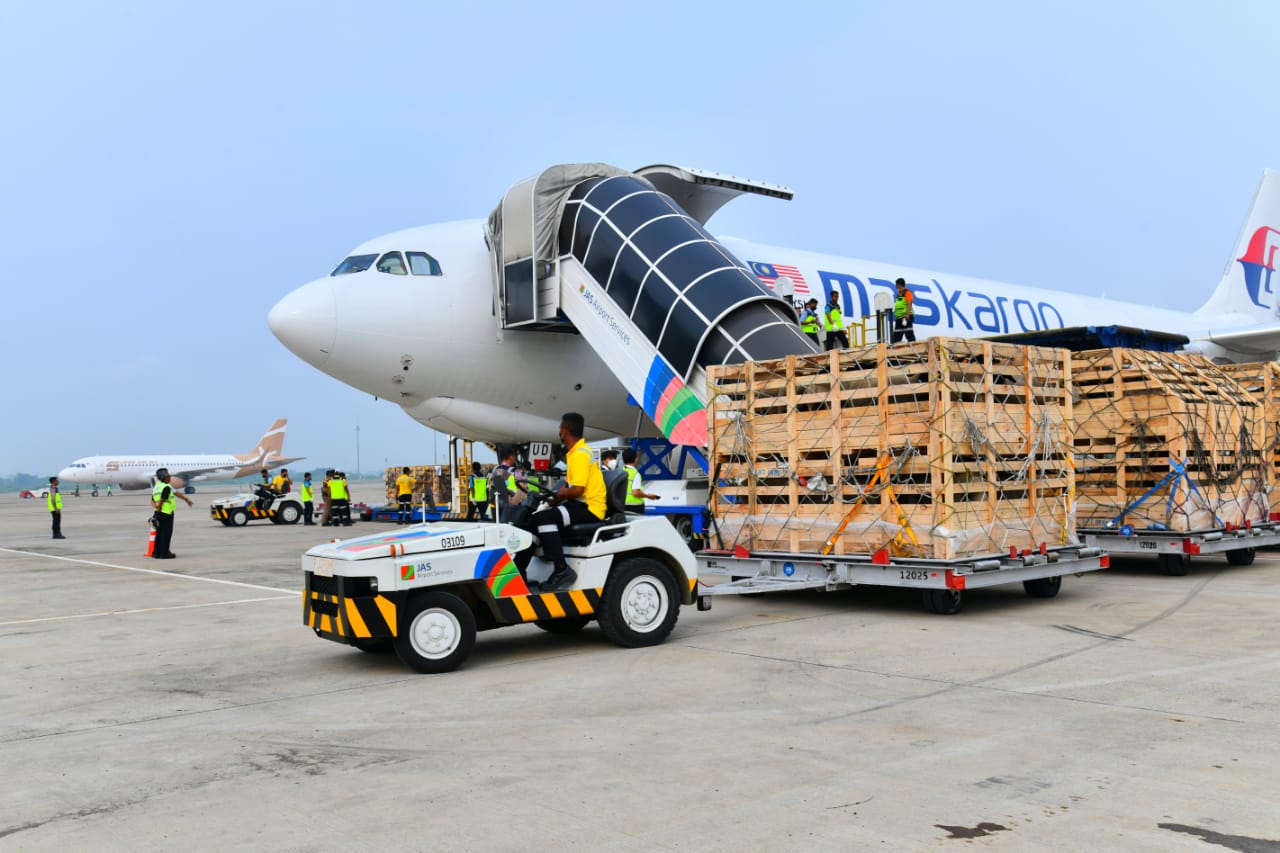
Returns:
(615, 495)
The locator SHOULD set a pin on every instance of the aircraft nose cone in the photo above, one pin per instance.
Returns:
(306, 321)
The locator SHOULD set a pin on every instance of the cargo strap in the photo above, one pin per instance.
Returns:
(1178, 474)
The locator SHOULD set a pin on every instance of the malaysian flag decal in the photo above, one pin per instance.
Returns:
(770, 273)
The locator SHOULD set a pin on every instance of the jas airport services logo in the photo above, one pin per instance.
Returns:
(1258, 258)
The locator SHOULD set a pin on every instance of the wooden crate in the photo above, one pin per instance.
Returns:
(1262, 380)
(1140, 413)
(944, 448)
(426, 482)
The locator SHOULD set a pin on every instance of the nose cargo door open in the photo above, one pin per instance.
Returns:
(603, 251)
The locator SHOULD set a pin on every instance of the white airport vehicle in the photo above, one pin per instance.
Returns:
(590, 285)
(427, 590)
(138, 471)
(239, 510)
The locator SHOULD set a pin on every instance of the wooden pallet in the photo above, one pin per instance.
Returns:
(1135, 411)
(426, 482)
(971, 435)
(1262, 380)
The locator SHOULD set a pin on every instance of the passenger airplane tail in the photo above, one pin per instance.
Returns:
(1248, 287)
(268, 452)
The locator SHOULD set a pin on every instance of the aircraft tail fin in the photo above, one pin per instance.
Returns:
(1249, 286)
(269, 445)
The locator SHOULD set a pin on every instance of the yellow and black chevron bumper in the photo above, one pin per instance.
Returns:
(347, 610)
(222, 513)
(548, 605)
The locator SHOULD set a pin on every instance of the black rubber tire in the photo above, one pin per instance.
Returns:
(238, 518)
(1043, 587)
(1241, 556)
(436, 632)
(640, 604)
(945, 602)
(684, 526)
(1174, 565)
(564, 625)
(290, 513)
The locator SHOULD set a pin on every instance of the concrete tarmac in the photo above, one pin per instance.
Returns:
(182, 705)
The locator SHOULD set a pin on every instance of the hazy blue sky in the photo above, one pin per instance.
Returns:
(169, 170)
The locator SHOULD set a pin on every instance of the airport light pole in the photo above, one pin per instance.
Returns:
(357, 450)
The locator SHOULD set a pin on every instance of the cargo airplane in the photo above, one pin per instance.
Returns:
(417, 316)
(138, 472)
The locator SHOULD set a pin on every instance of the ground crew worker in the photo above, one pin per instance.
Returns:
(833, 322)
(635, 485)
(326, 517)
(404, 495)
(809, 320)
(108, 490)
(904, 313)
(264, 494)
(478, 503)
(162, 498)
(341, 499)
(55, 507)
(281, 484)
(308, 498)
(582, 499)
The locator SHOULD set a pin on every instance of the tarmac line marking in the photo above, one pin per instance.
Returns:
(150, 571)
(142, 610)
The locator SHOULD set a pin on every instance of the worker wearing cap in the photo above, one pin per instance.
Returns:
(904, 313)
(833, 322)
(162, 499)
(281, 484)
(55, 507)
(809, 320)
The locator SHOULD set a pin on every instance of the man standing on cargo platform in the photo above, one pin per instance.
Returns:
(833, 322)
(904, 313)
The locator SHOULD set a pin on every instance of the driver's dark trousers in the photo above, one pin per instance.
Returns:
(548, 525)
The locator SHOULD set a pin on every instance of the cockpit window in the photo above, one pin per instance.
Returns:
(420, 263)
(355, 263)
(392, 262)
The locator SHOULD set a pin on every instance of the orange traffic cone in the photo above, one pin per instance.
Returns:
(151, 543)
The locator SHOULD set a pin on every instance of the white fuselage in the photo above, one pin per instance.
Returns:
(425, 332)
(433, 344)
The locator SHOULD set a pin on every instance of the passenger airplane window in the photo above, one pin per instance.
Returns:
(392, 262)
(355, 263)
(420, 263)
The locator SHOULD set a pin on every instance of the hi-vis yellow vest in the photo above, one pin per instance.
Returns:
(479, 488)
(809, 322)
(55, 500)
(338, 489)
(833, 320)
(157, 490)
(306, 491)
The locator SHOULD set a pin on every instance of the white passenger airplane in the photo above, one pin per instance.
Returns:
(492, 331)
(138, 472)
